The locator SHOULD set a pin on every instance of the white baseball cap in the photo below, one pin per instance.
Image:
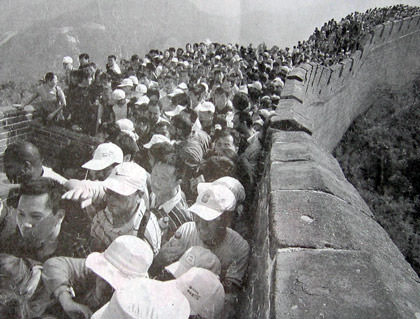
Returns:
(205, 107)
(142, 100)
(105, 155)
(141, 88)
(212, 201)
(176, 92)
(232, 183)
(134, 79)
(175, 111)
(126, 82)
(203, 290)
(127, 178)
(118, 95)
(157, 139)
(146, 299)
(196, 256)
(256, 85)
(67, 60)
(127, 257)
(125, 125)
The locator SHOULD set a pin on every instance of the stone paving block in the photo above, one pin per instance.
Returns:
(313, 176)
(305, 151)
(329, 284)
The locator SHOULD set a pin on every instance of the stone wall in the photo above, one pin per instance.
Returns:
(318, 252)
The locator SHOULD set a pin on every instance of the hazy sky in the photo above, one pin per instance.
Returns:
(292, 20)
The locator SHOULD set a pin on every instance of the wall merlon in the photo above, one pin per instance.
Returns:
(293, 89)
(288, 120)
(324, 80)
(378, 34)
(316, 79)
(297, 73)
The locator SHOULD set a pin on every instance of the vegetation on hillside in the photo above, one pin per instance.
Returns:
(380, 155)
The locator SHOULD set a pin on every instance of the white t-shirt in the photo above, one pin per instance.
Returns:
(233, 251)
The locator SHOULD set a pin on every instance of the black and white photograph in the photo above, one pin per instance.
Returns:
(209, 159)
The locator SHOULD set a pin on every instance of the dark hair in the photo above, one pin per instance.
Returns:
(182, 121)
(84, 56)
(172, 159)
(220, 90)
(112, 57)
(159, 150)
(127, 144)
(23, 151)
(216, 167)
(49, 76)
(240, 101)
(134, 57)
(44, 185)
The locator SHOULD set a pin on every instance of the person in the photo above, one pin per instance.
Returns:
(52, 97)
(205, 111)
(146, 299)
(104, 160)
(126, 206)
(82, 285)
(83, 60)
(23, 162)
(67, 68)
(41, 229)
(204, 292)
(209, 230)
(119, 108)
(21, 278)
(112, 67)
(167, 198)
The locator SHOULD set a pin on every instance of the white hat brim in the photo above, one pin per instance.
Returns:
(96, 164)
(119, 187)
(205, 212)
(176, 269)
(104, 269)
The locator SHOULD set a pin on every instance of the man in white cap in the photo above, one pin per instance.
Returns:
(146, 299)
(126, 210)
(67, 68)
(105, 158)
(119, 107)
(205, 112)
(204, 292)
(209, 230)
(84, 284)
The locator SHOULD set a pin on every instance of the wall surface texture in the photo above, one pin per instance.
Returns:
(318, 251)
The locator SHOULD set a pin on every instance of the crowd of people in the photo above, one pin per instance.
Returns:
(150, 224)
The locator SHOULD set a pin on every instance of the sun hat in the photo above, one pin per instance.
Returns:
(212, 201)
(105, 155)
(126, 179)
(145, 299)
(134, 79)
(157, 139)
(203, 290)
(127, 257)
(196, 256)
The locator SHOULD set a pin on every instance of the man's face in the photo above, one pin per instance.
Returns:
(206, 118)
(120, 205)
(223, 143)
(16, 171)
(211, 232)
(154, 113)
(83, 61)
(111, 61)
(31, 210)
(100, 175)
(67, 66)
(163, 179)
(220, 101)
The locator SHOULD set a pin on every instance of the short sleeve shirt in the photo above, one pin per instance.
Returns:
(233, 251)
